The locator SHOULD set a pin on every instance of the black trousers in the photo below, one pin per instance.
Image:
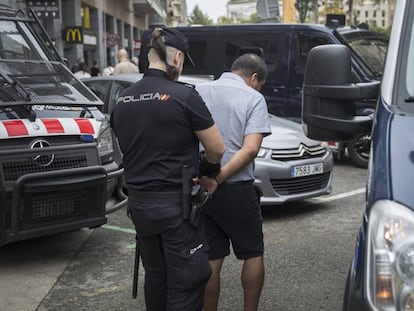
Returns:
(174, 256)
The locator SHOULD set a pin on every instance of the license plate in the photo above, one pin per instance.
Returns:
(305, 170)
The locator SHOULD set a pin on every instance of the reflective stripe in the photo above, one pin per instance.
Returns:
(46, 127)
(53, 125)
(85, 126)
(15, 128)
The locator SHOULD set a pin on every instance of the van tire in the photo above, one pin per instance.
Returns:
(359, 150)
(339, 154)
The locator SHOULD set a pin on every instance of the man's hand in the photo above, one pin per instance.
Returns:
(208, 182)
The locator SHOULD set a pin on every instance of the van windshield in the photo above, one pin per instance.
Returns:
(409, 80)
(17, 42)
(405, 78)
(370, 47)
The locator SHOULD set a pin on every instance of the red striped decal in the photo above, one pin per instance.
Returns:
(85, 126)
(15, 128)
(53, 126)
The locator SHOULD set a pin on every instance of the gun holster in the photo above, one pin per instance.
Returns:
(200, 199)
(194, 199)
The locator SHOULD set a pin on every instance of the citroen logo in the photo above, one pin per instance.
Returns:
(42, 159)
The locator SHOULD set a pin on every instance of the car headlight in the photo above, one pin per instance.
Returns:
(262, 152)
(105, 142)
(390, 260)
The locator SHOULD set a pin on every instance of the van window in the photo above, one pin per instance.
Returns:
(198, 50)
(235, 47)
(371, 48)
(372, 52)
(254, 50)
(271, 48)
(304, 43)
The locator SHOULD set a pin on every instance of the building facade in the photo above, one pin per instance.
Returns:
(373, 13)
(378, 14)
(239, 10)
(268, 10)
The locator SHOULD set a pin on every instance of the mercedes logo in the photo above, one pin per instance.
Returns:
(42, 159)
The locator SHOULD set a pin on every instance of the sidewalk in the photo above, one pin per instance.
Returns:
(29, 269)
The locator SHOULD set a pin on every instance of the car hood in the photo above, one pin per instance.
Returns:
(286, 134)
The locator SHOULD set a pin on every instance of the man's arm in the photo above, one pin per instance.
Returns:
(247, 154)
(212, 142)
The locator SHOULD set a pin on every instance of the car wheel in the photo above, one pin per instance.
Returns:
(359, 149)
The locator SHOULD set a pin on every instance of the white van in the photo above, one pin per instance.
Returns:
(57, 159)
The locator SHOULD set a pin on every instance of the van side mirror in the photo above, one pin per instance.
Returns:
(328, 103)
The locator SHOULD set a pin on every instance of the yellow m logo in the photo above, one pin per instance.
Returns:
(73, 35)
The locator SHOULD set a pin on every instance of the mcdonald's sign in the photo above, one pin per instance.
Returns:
(73, 34)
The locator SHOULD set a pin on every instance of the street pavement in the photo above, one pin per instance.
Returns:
(308, 248)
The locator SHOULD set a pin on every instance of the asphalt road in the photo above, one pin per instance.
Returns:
(308, 249)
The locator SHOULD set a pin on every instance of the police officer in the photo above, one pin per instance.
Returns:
(159, 123)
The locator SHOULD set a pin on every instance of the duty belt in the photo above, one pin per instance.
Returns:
(237, 183)
(152, 196)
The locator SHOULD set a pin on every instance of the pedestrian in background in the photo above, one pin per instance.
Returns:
(83, 71)
(75, 66)
(159, 124)
(241, 115)
(108, 70)
(95, 71)
(124, 65)
(135, 60)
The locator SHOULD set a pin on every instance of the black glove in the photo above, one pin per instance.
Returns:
(206, 168)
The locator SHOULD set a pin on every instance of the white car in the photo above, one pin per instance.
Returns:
(289, 165)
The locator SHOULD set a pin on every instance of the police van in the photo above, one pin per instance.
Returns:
(285, 48)
(57, 165)
(381, 275)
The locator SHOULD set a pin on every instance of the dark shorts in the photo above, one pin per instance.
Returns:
(235, 215)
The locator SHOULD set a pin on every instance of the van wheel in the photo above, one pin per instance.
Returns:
(339, 154)
(359, 149)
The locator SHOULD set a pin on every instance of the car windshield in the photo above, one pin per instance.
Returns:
(370, 47)
(27, 74)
